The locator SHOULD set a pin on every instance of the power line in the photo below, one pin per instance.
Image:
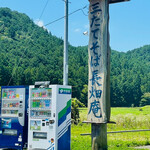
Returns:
(80, 9)
(84, 12)
(43, 9)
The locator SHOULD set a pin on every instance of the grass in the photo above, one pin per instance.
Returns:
(126, 119)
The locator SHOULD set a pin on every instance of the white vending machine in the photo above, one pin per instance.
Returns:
(49, 126)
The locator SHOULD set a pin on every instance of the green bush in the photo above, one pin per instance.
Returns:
(145, 99)
(75, 110)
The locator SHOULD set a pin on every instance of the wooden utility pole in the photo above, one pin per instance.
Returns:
(99, 72)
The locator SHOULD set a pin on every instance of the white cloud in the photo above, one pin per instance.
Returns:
(77, 30)
(40, 23)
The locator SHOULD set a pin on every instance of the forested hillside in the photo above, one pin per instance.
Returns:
(130, 76)
(29, 53)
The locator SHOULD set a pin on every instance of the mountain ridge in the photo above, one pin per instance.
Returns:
(30, 53)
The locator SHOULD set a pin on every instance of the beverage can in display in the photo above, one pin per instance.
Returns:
(41, 93)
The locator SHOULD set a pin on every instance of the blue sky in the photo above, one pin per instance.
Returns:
(129, 21)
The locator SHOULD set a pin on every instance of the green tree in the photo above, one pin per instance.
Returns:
(84, 95)
(145, 99)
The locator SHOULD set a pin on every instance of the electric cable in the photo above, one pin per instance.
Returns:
(80, 9)
(43, 9)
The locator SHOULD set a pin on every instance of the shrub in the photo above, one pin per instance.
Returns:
(75, 110)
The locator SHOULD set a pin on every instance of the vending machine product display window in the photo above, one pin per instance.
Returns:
(13, 117)
(49, 117)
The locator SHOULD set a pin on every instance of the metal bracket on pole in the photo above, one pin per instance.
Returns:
(117, 1)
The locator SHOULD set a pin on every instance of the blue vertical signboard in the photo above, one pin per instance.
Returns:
(97, 50)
